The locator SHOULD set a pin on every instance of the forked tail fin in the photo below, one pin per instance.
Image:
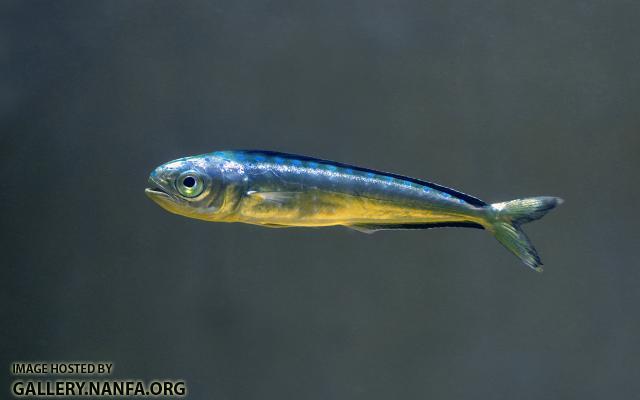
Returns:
(504, 222)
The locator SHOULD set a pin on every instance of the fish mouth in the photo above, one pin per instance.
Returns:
(157, 190)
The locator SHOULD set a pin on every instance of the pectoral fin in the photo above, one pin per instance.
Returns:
(275, 197)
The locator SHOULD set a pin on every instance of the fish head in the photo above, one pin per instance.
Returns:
(193, 187)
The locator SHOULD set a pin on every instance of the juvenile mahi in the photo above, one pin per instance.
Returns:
(284, 190)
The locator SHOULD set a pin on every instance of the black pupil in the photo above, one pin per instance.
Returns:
(189, 181)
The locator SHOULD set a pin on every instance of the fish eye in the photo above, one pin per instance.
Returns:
(189, 184)
(189, 181)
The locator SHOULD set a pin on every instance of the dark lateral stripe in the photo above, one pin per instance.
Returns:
(421, 226)
(465, 197)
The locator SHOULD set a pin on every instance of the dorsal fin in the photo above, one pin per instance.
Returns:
(462, 196)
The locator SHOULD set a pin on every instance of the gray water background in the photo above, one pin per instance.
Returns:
(498, 99)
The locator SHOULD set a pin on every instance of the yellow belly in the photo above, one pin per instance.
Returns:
(327, 208)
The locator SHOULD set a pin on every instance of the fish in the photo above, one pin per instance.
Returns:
(279, 190)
